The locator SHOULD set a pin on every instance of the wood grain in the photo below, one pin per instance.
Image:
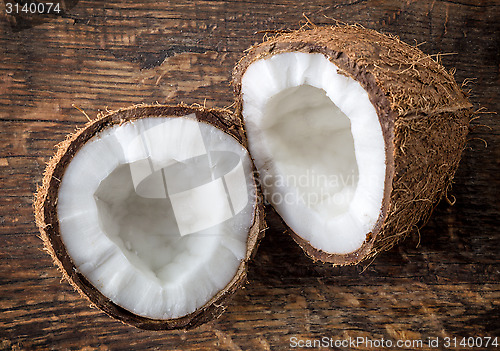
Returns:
(98, 55)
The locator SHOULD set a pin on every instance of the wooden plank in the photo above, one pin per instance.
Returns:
(101, 55)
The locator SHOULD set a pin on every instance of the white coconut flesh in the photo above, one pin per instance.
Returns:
(155, 213)
(317, 143)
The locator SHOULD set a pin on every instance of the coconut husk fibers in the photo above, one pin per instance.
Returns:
(45, 207)
(423, 113)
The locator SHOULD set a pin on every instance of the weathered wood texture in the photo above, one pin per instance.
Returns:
(100, 55)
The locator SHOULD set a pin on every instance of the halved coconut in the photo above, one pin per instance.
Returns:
(151, 212)
(355, 135)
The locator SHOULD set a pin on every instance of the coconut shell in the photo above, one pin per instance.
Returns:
(45, 208)
(423, 113)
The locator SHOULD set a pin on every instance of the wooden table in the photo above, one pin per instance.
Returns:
(441, 283)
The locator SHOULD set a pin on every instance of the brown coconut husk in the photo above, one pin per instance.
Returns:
(45, 208)
(423, 113)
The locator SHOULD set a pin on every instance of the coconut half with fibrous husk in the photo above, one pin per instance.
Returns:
(355, 134)
(152, 213)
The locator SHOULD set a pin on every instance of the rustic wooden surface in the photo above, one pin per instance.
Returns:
(97, 55)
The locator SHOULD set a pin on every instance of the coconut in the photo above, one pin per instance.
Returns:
(355, 134)
(152, 213)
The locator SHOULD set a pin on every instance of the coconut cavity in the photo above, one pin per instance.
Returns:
(156, 213)
(317, 142)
